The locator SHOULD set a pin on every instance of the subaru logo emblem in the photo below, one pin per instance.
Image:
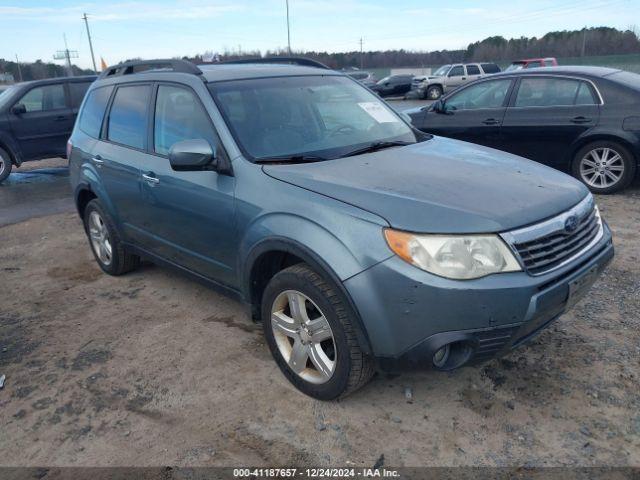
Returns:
(571, 223)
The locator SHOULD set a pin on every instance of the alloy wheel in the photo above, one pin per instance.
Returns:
(303, 336)
(100, 240)
(434, 94)
(602, 167)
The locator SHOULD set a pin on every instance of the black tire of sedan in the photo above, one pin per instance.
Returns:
(5, 165)
(604, 166)
(310, 330)
(434, 92)
(105, 242)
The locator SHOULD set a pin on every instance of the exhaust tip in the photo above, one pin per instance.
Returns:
(452, 355)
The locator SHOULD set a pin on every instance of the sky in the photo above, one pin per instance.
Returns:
(121, 29)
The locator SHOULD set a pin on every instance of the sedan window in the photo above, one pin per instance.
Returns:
(547, 92)
(490, 94)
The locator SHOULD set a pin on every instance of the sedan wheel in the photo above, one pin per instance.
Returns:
(303, 336)
(602, 168)
(5, 165)
(100, 240)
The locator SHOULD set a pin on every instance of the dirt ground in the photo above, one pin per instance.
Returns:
(154, 369)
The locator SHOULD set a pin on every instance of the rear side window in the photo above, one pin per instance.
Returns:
(93, 111)
(179, 116)
(585, 95)
(473, 70)
(41, 99)
(77, 91)
(490, 67)
(128, 116)
(547, 92)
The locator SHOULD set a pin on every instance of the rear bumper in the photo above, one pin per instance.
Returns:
(410, 314)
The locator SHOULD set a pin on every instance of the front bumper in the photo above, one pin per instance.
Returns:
(410, 314)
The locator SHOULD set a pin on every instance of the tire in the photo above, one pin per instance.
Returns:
(434, 92)
(99, 227)
(618, 163)
(5, 165)
(346, 368)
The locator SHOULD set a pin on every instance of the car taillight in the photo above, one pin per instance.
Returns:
(69, 147)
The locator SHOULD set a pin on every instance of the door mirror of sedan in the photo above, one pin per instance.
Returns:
(196, 154)
(19, 109)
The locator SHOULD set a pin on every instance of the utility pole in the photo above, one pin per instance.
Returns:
(361, 55)
(584, 40)
(288, 30)
(93, 59)
(67, 55)
(19, 68)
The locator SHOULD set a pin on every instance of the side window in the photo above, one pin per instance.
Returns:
(481, 95)
(179, 116)
(548, 63)
(585, 95)
(457, 71)
(535, 64)
(41, 99)
(128, 116)
(473, 70)
(77, 91)
(93, 111)
(546, 92)
(490, 68)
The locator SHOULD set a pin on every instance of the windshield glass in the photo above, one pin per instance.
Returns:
(320, 116)
(441, 71)
(5, 94)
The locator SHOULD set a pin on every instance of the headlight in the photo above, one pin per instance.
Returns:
(459, 257)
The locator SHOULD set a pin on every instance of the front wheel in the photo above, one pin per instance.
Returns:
(604, 167)
(434, 92)
(5, 165)
(310, 332)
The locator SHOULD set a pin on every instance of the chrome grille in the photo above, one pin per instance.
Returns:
(546, 246)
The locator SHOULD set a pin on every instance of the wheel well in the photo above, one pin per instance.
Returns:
(263, 270)
(12, 155)
(84, 197)
(435, 85)
(601, 138)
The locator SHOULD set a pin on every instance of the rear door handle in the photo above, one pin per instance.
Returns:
(97, 160)
(491, 121)
(150, 178)
(580, 119)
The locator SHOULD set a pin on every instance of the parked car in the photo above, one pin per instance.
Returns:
(365, 78)
(449, 77)
(36, 119)
(532, 63)
(360, 243)
(393, 85)
(582, 120)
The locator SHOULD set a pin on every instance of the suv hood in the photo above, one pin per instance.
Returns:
(441, 186)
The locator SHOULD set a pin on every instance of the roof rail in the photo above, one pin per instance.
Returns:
(137, 66)
(302, 61)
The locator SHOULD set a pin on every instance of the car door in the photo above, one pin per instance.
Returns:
(46, 122)
(546, 115)
(190, 213)
(456, 77)
(473, 114)
(119, 154)
(473, 72)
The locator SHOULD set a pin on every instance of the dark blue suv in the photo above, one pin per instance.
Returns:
(360, 243)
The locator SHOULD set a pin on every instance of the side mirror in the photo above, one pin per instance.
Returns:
(19, 109)
(438, 106)
(194, 154)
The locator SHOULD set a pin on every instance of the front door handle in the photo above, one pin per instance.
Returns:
(491, 121)
(580, 119)
(150, 178)
(97, 160)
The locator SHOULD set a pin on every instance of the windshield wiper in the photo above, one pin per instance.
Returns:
(290, 159)
(375, 146)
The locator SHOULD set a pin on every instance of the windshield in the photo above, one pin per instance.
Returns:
(5, 94)
(442, 71)
(320, 116)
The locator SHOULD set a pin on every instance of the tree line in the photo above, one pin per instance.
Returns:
(575, 43)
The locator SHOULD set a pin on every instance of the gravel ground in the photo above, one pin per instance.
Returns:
(154, 369)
